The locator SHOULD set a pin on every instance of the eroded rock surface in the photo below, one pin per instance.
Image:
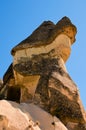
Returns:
(26, 116)
(3, 122)
(38, 74)
(1, 83)
(76, 126)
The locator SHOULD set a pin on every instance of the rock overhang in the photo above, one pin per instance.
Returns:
(60, 47)
(46, 33)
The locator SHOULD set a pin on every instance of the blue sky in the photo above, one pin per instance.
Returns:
(18, 18)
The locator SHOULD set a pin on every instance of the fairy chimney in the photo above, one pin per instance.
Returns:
(38, 73)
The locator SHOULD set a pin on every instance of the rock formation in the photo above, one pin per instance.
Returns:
(1, 83)
(38, 74)
(21, 117)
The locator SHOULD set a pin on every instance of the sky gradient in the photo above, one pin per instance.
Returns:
(19, 18)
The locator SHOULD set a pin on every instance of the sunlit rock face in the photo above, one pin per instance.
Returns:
(38, 74)
(48, 39)
(25, 116)
(60, 47)
(47, 44)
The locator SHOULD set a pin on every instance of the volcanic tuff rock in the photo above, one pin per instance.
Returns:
(38, 74)
(26, 116)
(1, 83)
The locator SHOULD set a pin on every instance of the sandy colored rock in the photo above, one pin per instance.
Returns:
(27, 116)
(16, 118)
(76, 126)
(49, 40)
(58, 94)
(46, 33)
(38, 74)
(3, 122)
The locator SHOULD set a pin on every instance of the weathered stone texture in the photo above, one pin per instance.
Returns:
(38, 74)
(75, 126)
(3, 122)
(1, 84)
(25, 116)
(46, 33)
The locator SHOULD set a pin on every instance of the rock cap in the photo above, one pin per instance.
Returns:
(46, 34)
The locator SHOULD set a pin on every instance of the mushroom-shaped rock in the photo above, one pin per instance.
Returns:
(48, 39)
(39, 74)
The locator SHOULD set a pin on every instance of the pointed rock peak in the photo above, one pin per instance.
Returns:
(65, 19)
(67, 27)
